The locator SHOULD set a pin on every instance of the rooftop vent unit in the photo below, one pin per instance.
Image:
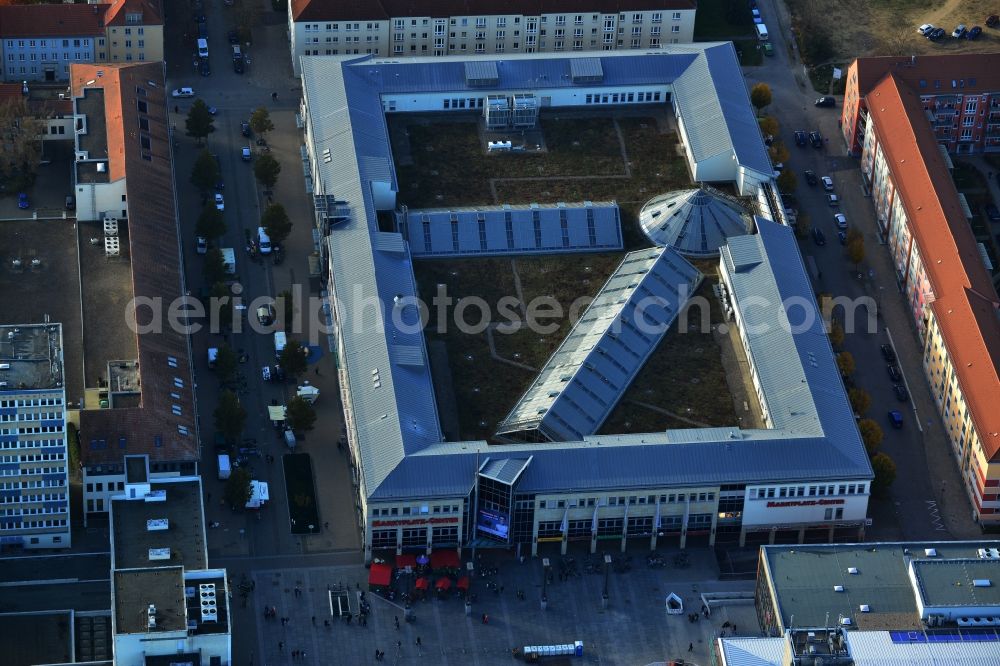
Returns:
(838, 588)
(930, 552)
(151, 617)
(209, 604)
(852, 570)
(982, 582)
(989, 553)
(157, 524)
(864, 608)
(845, 621)
(159, 554)
(156, 496)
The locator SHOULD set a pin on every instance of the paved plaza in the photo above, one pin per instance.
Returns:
(634, 629)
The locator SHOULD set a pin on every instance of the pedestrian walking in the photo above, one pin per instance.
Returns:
(376, 654)
(281, 646)
(317, 371)
(397, 622)
(314, 620)
(295, 654)
(690, 647)
(326, 623)
(418, 641)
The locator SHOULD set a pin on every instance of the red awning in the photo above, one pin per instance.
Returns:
(406, 560)
(380, 574)
(442, 559)
(443, 583)
(463, 583)
(421, 584)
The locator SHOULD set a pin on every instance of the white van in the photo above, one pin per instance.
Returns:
(202, 48)
(225, 469)
(761, 32)
(279, 343)
(237, 54)
(263, 241)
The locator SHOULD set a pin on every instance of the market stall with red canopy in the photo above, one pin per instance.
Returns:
(380, 575)
(463, 583)
(421, 584)
(406, 560)
(443, 584)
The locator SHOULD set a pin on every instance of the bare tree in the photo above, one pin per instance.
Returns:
(20, 143)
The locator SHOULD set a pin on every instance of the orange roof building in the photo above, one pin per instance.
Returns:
(938, 263)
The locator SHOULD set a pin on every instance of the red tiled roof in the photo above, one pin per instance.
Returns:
(971, 73)
(151, 428)
(59, 20)
(381, 10)
(151, 10)
(965, 302)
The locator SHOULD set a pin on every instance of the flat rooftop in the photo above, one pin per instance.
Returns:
(38, 638)
(950, 582)
(803, 578)
(33, 355)
(136, 590)
(95, 141)
(45, 291)
(184, 536)
(193, 593)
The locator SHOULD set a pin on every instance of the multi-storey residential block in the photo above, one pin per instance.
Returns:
(34, 478)
(900, 115)
(40, 42)
(448, 27)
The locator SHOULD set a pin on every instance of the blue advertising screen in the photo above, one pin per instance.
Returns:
(493, 522)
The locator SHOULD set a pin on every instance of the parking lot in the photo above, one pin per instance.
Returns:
(634, 628)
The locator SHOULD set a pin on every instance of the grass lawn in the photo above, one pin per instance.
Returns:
(751, 52)
(683, 376)
(718, 20)
(301, 493)
(822, 76)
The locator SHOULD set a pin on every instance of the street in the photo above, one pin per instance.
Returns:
(922, 504)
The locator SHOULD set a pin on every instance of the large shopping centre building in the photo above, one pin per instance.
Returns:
(805, 476)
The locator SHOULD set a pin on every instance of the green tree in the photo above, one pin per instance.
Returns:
(861, 401)
(226, 364)
(205, 173)
(856, 252)
(266, 169)
(301, 415)
(803, 225)
(276, 223)
(293, 358)
(230, 417)
(222, 298)
(871, 435)
(199, 121)
(768, 125)
(778, 152)
(211, 223)
(787, 181)
(214, 269)
(760, 96)
(260, 121)
(885, 473)
(836, 334)
(237, 490)
(845, 362)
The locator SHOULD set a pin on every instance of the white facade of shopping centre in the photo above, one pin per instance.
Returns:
(807, 472)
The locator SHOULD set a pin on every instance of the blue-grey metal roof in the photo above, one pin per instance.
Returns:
(696, 223)
(589, 372)
(505, 470)
(479, 73)
(506, 230)
(753, 651)
(388, 391)
(586, 70)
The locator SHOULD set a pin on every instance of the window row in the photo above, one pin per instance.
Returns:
(24, 499)
(112, 486)
(415, 510)
(31, 402)
(809, 491)
(622, 500)
(27, 524)
(622, 98)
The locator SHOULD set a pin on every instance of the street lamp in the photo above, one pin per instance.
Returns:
(545, 582)
(607, 573)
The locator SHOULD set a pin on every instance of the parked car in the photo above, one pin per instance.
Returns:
(832, 200)
(233, 36)
(779, 166)
(992, 212)
(896, 418)
(959, 31)
(245, 154)
(755, 13)
(816, 139)
(212, 111)
(827, 183)
(936, 34)
(203, 67)
(22, 201)
(826, 101)
(925, 29)
(768, 49)
(201, 245)
(800, 138)
(842, 237)
(901, 393)
(974, 32)
(245, 128)
(992, 21)
(266, 314)
(70, 202)
(840, 220)
(238, 65)
(220, 202)
(888, 353)
(811, 177)
(818, 237)
(183, 92)
(893, 371)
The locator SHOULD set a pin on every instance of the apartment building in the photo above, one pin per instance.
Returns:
(939, 266)
(452, 27)
(959, 95)
(40, 42)
(34, 476)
